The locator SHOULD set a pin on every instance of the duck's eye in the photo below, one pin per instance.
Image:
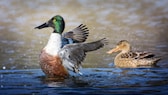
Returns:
(54, 20)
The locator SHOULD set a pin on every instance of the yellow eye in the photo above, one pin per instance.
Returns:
(54, 20)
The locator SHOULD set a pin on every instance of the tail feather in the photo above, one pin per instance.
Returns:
(156, 60)
(148, 61)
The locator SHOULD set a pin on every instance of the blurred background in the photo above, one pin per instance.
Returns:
(144, 23)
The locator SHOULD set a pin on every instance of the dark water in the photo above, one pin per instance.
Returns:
(94, 81)
(144, 23)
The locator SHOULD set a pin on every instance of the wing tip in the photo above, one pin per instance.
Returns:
(104, 41)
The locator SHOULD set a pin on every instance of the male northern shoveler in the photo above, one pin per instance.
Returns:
(127, 58)
(65, 52)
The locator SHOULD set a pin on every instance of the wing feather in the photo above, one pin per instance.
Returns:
(138, 55)
(74, 54)
(79, 34)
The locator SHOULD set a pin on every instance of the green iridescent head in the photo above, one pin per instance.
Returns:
(56, 22)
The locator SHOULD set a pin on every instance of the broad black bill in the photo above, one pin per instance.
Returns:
(42, 26)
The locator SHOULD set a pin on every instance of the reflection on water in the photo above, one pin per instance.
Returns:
(143, 23)
(94, 81)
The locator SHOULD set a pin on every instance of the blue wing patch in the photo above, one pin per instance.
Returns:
(66, 41)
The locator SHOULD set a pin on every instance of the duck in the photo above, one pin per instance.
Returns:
(129, 59)
(65, 52)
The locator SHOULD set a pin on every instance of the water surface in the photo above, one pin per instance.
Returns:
(94, 81)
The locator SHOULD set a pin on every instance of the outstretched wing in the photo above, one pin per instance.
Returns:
(74, 54)
(78, 35)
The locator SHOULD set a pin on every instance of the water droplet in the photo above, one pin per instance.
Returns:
(3, 67)
(25, 67)
(41, 42)
(25, 85)
(2, 86)
(10, 59)
(24, 54)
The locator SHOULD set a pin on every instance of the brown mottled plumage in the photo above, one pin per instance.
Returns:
(52, 65)
(127, 58)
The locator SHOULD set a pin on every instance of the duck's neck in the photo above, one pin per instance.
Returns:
(54, 44)
(121, 53)
(118, 55)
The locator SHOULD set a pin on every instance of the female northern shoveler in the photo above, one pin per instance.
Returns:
(65, 52)
(127, 58)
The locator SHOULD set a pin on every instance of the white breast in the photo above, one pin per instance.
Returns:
(54, 44)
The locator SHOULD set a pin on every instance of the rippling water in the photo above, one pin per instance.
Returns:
(143, 23)
(94, 81)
